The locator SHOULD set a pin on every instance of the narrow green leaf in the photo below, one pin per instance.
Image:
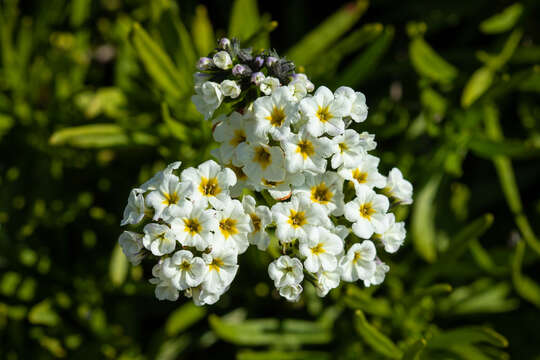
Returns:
(177, 129)
(525, 286)
(461, 240)
(172, 348)
(502, 21)
(375, 339)
(80, 10)
(158, 64)
(43, 314)
(364, 64)
(467, 335)
(184, 317)
(99, 136)
(488, 148)
(244, 20)
(434, 290)
(282, 355)
(414, 351)
(357, 298)
(498, 61)
(423, 220)
(430, 64)
(203, 33)
(477, 85)
(314, 43)
(118, 266)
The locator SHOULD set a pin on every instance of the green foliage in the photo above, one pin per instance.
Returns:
(95, 97)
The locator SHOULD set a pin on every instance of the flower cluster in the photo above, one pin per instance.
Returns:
(316, 189)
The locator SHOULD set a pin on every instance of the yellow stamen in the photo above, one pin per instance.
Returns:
(192, 226)
(318, 249)
(323, 113)
(215, 264)
(360, 176)
(185, 265)
(357, 257)
(321, 194)
(277, 116)
(262, 157)
(238, 138)
(343, 147)
(209, 187)
(366, 210)
(306, 148)
(228, 227)
(297, 219)
(257, 222)
(170, 199)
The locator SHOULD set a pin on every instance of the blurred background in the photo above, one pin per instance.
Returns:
(95, 98)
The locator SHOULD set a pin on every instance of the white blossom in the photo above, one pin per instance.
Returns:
(261, 161)
(208, 98)
(324, 189)
(135, 209)
(159, 239)
(184, 270)
(193, 224)
(350, 148)
(304, 152)
(165, 289)
(324, 112)
(274, 114)
(230, 132)
(326, 281)
(168, 193)
(378, 276)
(359, 262)
(132, 246)
(399, 188)
(365, 172)
(366, 212)
(230, 88)
(291, 292)
(234, 225)
(222, 60)
(392, 233)
(260, 216)
(222, 266)
(268, 85)
(358, 110)
(320, 250)
(286, 271)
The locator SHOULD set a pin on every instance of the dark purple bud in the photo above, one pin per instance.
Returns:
(224, 43)
(257, 77)
(271, 61)
(204, 63)
(241, 70)
(259, 62)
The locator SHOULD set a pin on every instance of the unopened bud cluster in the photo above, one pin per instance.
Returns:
(290, 169)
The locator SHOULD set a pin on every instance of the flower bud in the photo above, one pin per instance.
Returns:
(271, 61)
(204, 63)
(224, 43)
(230, 88)
(259, 62)
(241, 70)
(257, 77)
(222, 60)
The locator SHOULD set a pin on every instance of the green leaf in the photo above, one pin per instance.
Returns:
(337, 24)
(525, 286)
(357, 298)
(80, 10)
(414, 351)
(99, 136)
(364, 64)
(43, 314)
(158, 64)
(477, 85)
(172, 348)
(177, 129)
(268, 332)
(184, 317)
(488, 148)
(467, 335)
(6, 122)
(502, 21)
(244, 20)
(203, 33)
(118, 266)
(423, 220)
(375, 339)
(461, 240)
(430, 64)
(282, 355)
(510, 46)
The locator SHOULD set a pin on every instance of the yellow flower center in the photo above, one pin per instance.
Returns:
(277, 116)
(366, 210)
(357, 257)
(192, 226)
(215, 264)
(209, 187)
(238, 172)
(318, 249)
(321, 194)
(257, 222)
(185, 265)
(359, 176)
(262, 157)
(306, 148)
(323, 113)
(228, 227)
(171, 199)
(297, 219)
(343, 147)
(238, 138)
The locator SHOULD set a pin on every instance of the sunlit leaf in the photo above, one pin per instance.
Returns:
(525, 286)
(430, 64)
(118, 266)
(423, 227)
(282, 355)
(203, 31)
(184, 317)
(467, 335)
(99, 136)
(477, 85)
(502, 21)
(43, 314)
(375, 339)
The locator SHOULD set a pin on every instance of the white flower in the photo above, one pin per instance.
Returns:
(274, 114)
(269, 84)
(230, 88)
(398, 188)
(320, 250)
(159, 239)
(202, 296)
(368, 141)
(135, 209)
(350, 148)
(132, 246)
(208, 98)
(222, 266)
(365, 172)
(192, 224)
(222, 60)
(210, 182)
(168, 193)
(184, 270)
(324, 112)
(324, 189)
(392, 233)
(302, 79)
(306, 152)
(326, 281)
(359, 262)
(260, 216)
(165, 289)
(296, 217)
(286, 271)
(378, 276)
(157, 179)
(230, 132)
(234, 225)
(241, 180)
(358, 110)
(261, 161)
(366, 212)
(291, 292)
